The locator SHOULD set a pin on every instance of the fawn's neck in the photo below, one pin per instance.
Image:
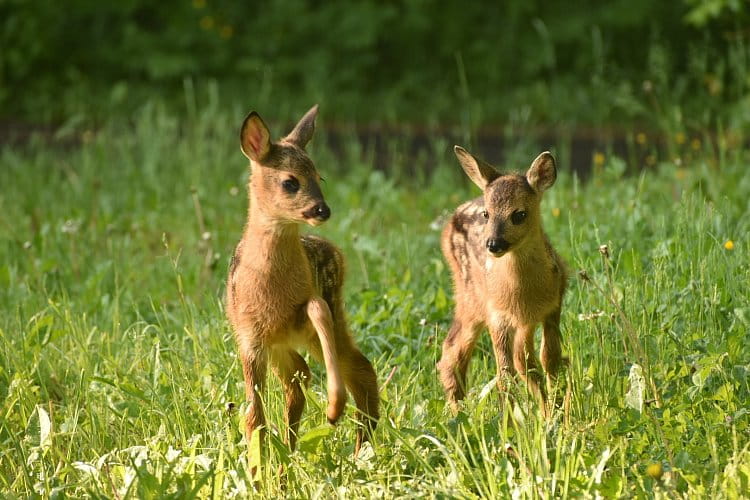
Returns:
(271, 244)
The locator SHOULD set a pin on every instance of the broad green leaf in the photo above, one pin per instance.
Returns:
(311, 439)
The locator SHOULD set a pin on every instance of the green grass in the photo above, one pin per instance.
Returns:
(117, 364)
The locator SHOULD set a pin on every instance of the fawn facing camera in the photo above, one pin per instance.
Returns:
(507, 277)
(284, 289)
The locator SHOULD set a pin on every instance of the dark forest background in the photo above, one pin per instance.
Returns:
(586, 63)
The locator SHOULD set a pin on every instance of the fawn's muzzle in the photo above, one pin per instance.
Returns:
(497, 245)
(319, 212)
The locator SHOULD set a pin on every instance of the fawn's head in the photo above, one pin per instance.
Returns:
(511, 201)
(284, 183)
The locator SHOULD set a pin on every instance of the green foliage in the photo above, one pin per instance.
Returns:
(702, 12)
(423, 61)
(118, 366)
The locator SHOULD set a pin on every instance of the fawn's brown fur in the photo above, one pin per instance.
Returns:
(284, 289)
(507, 277)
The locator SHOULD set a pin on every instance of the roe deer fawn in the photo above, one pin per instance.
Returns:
(284, 289)
(507, 277)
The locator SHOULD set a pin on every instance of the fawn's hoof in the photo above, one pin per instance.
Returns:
(334, 413)
(333, 419)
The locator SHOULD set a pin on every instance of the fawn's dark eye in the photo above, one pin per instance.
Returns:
(518, 217)
(291, 185)
(485, 214)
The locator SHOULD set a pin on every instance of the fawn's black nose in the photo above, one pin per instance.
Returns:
(497, 245)
(322, 212)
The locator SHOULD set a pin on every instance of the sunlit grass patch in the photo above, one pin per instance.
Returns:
(120, 378)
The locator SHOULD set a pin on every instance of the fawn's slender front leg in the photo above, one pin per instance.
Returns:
(254, 369)
(362, 382)
(454, 363)
(524, 360)
(294, 374)
(501, 333)
(322, 320)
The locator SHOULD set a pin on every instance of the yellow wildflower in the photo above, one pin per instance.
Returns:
(679, 138)
(729, 245)
(598, 159)
(640, 138)
(695, 144)
(655, 470)
(555, 212)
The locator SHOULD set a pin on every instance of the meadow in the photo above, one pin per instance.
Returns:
(119, 373)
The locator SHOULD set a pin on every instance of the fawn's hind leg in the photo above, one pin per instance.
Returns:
(360, 379)
(294, 374)
(454, 363)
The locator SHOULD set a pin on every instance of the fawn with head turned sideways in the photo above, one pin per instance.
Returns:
(284, 289)
(507, 278)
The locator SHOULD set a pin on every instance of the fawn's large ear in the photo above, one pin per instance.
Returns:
(480, 172)
(255, 140)
(542, 173)
(303, 131)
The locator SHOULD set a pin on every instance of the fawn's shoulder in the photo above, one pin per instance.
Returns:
(559, 267)
(465, 217)
(465, 223)
(461, 238)
(326, 262)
